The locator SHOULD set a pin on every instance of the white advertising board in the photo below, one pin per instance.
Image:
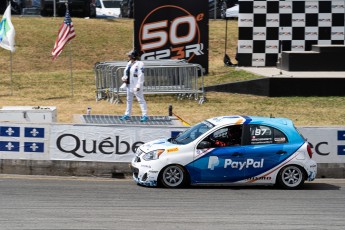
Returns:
(102, 143)
(328, 144)
(106, 143)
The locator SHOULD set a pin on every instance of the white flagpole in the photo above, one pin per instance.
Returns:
(11, 72)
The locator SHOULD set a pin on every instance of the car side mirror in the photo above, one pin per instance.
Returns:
(204, 145)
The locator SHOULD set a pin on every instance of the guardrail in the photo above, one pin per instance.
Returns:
(161, 77)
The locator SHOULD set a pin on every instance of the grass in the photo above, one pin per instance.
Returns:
(39, 81)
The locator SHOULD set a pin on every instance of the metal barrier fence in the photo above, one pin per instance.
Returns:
(161, 77)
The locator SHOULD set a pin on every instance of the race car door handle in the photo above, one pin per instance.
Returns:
(281, 152)
(237, 154)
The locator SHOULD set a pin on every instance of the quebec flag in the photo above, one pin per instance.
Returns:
(22, 139)
(34, 132)
(9, 146)
(6, 131)
(33, 147)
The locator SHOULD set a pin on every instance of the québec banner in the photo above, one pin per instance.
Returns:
(172, 29)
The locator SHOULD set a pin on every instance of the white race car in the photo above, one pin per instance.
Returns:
(228, 150)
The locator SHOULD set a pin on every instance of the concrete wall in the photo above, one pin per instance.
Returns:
(115, 170)
(64, 168)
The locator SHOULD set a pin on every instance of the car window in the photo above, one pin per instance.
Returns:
(193, 133)
(226, 136)
(279, 137)
(261, 134)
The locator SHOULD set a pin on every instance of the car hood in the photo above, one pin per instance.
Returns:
(156, 144)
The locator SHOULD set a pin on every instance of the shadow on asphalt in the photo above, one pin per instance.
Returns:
(307, 186)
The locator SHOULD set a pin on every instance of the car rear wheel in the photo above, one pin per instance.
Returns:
(173, 176)
(291, 177)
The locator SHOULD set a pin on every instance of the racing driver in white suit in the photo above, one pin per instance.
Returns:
(134, 78)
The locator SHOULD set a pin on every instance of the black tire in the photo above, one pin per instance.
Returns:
(173, 176)
(291, 177)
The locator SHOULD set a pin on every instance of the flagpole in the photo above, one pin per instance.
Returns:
(11, 72)
(70, 60)
(70, 64)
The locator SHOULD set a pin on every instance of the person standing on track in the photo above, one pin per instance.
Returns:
(134, 79)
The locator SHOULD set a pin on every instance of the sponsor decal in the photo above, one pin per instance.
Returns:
(246, 46)
(201, 152)
(258, 60)
(298, 20)
(259, 178)
(297, 47)
(259, 33)
(271, 47)
(230, 163)
(336, 6)
(154, 35)
(285, 33)
(311, 6)
(172, 31)
(172, 150)
(246, 20)
(146, 166)
(259, 7)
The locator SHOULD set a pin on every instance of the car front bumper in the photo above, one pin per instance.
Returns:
(145, 173)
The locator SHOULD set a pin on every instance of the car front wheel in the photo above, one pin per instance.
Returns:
(173, 176)
(291, 177)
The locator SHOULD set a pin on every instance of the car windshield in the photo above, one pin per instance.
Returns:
(112, 3)
(193, 133)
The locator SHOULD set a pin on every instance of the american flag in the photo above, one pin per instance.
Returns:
(66, 33)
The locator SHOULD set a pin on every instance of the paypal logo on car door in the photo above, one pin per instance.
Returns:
(236, 163)
(229, 163)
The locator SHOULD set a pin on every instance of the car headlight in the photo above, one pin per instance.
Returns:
(139, 152)
(153, 155)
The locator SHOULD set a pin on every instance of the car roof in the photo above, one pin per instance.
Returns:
(238, 119)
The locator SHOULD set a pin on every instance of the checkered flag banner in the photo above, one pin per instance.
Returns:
(266, 28)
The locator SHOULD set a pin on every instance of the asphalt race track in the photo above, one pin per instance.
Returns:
(39, 202)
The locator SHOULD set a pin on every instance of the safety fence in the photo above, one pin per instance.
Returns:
(186, 80)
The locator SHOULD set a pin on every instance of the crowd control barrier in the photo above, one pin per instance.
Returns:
(186, 80)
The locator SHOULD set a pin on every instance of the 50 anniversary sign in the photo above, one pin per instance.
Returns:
(172, 29)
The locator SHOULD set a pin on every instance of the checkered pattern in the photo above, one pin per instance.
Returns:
(267, 27)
